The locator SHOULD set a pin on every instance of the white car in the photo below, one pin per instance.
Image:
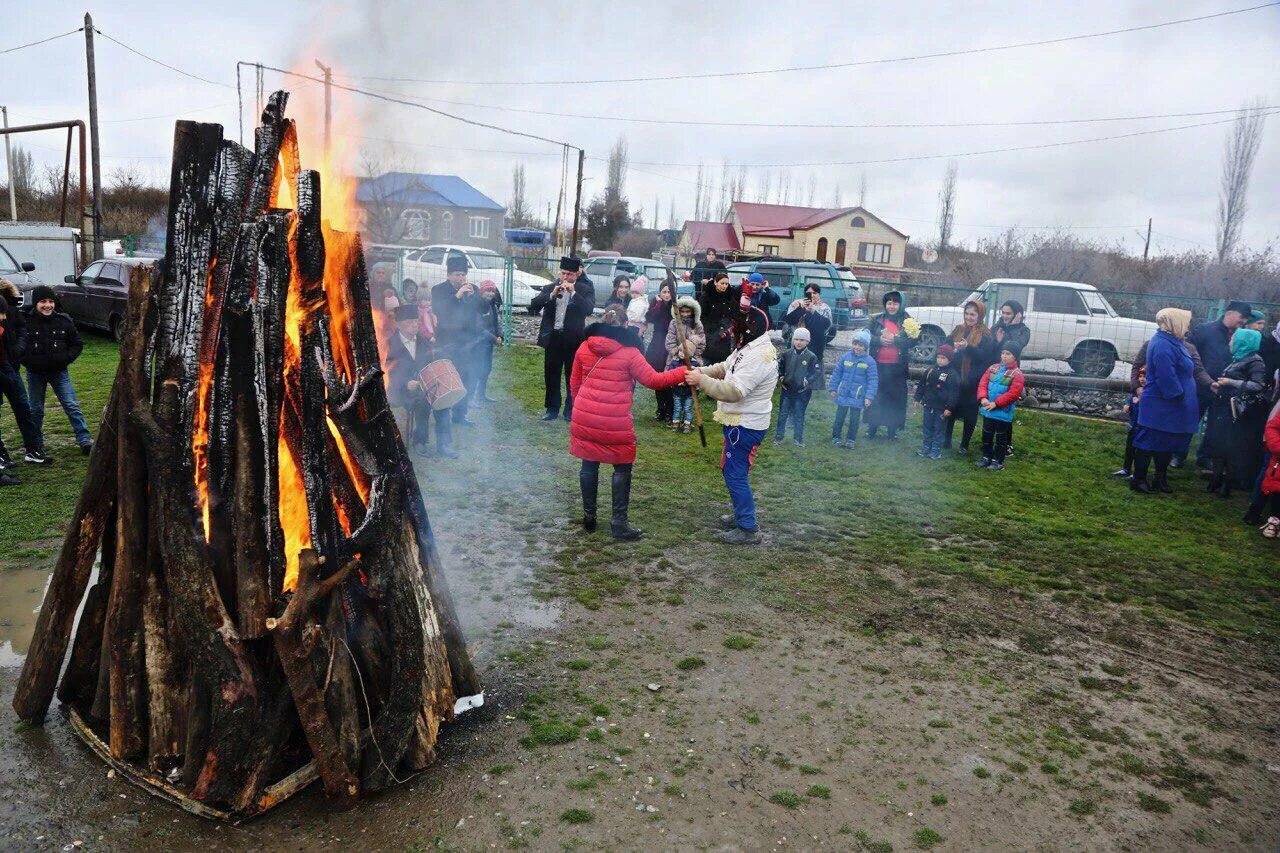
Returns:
(426, 268)
(1069, 321)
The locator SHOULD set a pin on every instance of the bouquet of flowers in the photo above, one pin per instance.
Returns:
(911, 327)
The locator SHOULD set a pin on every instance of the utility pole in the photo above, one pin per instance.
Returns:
(8, 158)
(1147, 246)
(96, 213)
(328, 103)
(577, 202)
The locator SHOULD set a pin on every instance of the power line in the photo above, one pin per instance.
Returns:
(41, 41)
(162, 64)
(1008, 149)
(824, 125)
(833, 65)
(393, 100)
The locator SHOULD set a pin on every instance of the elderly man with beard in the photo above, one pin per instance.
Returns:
(459, 312)
(743, 384)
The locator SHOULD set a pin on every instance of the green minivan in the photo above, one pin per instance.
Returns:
(840, 288)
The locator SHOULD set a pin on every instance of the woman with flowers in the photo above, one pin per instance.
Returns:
(893, 333)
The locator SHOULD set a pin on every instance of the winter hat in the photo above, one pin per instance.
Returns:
(1243, 308)
(756, 278)
(895, 295)
(488, 288)
(1012, 348)
(1244, 343)
(800, 334)
(1256, 316)
(862, 336)
(456, 263)
(568, 263)
(42, 292)
(947, 351)
(640, 286)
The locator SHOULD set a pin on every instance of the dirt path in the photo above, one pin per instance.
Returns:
(683, 712)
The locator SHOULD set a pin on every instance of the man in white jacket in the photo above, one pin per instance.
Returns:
(743, 384)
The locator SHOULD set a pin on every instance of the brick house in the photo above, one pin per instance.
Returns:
(406, 209)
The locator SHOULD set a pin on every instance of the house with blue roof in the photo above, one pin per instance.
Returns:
(407, 209)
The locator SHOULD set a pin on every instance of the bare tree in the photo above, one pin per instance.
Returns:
(1237, 164)
(862, 189)
(518, 212)
(784, 186)
(673, 221)
(616, 178)
(947, 207)
(836, 197)
(813, 189)
(697, 195)
(763, 183)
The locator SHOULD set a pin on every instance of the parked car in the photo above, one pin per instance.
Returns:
(98, 296)
(426, 268)
(840, 288)
(602, 269)
(20, 274)
(1069, 321)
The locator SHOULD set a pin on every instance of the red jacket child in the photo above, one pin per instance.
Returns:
(605, 370)
(1271, 439)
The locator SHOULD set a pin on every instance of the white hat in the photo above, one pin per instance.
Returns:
(800, 334)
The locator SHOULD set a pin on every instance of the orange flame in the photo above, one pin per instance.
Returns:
(204, 392)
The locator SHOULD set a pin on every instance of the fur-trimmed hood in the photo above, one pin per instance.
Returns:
(687, 302)
(624, 335)
(10, 292)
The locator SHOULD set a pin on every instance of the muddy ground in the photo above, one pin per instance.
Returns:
(683, 711)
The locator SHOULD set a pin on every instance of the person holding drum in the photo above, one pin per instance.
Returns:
(565, 306)
(605, 370)
(408, 355)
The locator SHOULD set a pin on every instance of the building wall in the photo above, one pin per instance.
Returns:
(459, 227)
(840, 228)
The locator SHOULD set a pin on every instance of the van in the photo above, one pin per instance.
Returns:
(602, 271)
(38, 253)
(840, 288)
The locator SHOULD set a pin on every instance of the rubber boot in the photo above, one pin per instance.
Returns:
(1160, 483)
(621, 501)
(590, 483)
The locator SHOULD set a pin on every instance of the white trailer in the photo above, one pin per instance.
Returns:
(52, 249)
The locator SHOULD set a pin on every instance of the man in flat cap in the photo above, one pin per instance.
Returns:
(565, 306)
(459, 314)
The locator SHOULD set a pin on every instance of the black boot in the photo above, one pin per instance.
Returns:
(621, 501)
(590, 483)
(1160, 483)
(1139, 484)
(1253, 515)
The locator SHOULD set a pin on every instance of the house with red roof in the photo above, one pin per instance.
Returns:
(851, 236)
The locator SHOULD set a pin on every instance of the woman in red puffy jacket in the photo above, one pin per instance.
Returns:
(1271, 474)
(605, 370)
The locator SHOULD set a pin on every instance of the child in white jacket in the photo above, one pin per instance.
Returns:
(639, 304)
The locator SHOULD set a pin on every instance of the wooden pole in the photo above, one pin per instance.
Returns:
(577, 202)
(94, 152)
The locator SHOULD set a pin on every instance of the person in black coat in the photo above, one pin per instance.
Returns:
(1212, 340)
(565, 306)
(459, 314)
(659, 319)
(975, 352)
(719, 308)
(13, 346)
(53, 343)
(891, 349)
(705, 271)
(937, 392)
(407, 354)
(815, 315)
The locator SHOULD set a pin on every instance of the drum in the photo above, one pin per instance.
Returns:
(442, 383)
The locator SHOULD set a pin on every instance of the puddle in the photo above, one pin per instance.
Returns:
(21, 591)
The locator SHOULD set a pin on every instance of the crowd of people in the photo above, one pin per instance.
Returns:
(42, 341)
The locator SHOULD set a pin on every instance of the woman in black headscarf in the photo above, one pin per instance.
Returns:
(659, 319)
(891, 349)
(719, 308)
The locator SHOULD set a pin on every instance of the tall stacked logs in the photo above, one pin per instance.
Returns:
(268, 607)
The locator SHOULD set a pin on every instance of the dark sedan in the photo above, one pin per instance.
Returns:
(97, 297)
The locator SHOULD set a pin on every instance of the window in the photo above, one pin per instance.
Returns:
(625, 266)
(874, 253)
(446, 225)
(842, 248)
(1095, 303)
(90, 273)
(7, 263)
(416, 223)
(110, 275)
(1059, 300)
(433, 256)
(822, 249)
(765, 249)
(480, 227)
(999, 294)
(858, 222)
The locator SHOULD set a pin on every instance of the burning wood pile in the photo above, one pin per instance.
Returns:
(269, 606)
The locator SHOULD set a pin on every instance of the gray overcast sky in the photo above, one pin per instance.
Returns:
(1113, 186)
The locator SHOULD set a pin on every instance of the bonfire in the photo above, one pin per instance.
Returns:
(268, 607)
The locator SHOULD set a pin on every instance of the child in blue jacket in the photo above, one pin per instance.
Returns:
(853, 385)
(998, 393)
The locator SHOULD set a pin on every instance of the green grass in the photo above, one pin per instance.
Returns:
(577, 816)
(738, 642)
(38, 509)
(690, 663)
(926, 838)
(1052, 522)
(790, 799)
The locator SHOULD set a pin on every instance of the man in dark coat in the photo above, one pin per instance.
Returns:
(565, 306)
(1212, 340)
(53, 343)
(13, 345)
(407, 354)
(459, 314)
(704, 271)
